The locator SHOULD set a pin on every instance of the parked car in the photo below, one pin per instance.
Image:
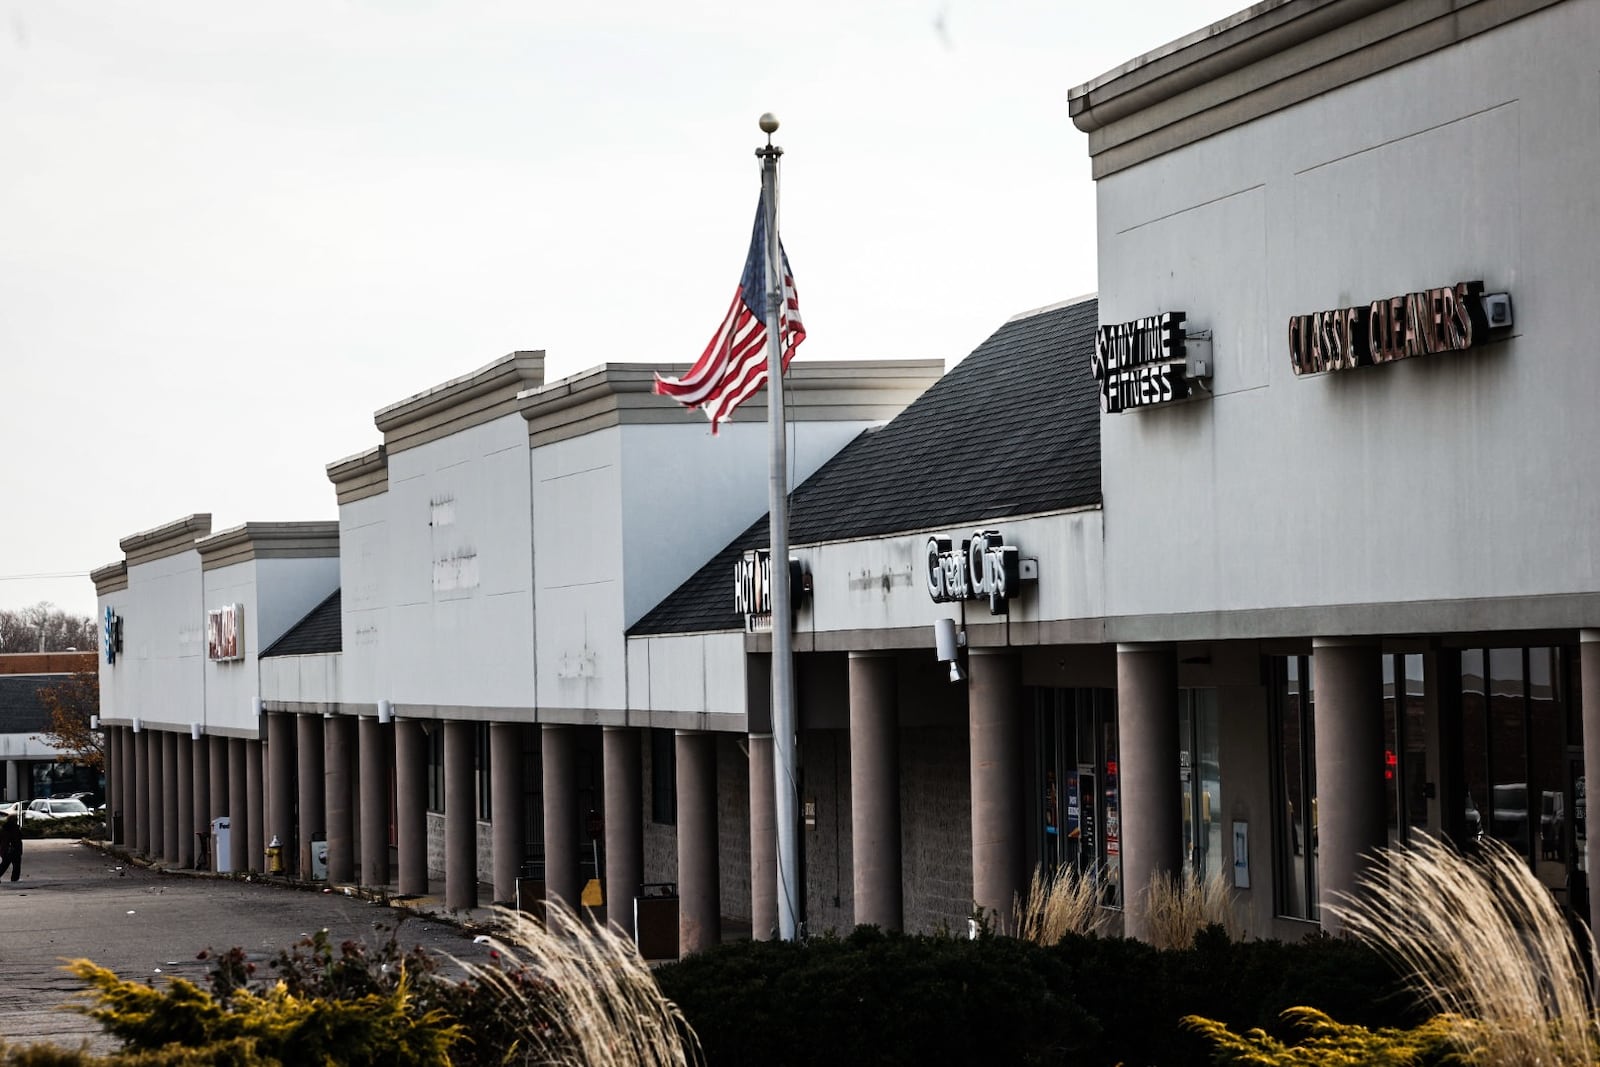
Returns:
(53, 808)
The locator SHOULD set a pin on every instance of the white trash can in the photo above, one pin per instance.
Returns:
(221, 854)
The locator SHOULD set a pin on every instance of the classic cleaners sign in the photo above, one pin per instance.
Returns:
(1141, 363)
(983, 568)
(1448, 319)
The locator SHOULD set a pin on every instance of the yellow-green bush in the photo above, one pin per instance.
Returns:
(1442, 1040)
(180, 1024)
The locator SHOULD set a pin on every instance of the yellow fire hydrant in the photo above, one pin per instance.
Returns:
(275, 856)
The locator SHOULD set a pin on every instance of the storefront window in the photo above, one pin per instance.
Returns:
(1405, 747)
(1521, 761)
(1200, 779)
(1295, 778)
(435, 736)
(481, 764)
(1078, 812)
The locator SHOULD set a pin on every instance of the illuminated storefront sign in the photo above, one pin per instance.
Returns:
(1451, 318)
(1144, 363)
(752, 588)
(225, 633)
(982, 568)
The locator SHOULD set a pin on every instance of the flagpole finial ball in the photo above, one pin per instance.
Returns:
(769, 123)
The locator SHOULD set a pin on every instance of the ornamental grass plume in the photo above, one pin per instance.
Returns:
(1065, 902)
(596, 1003)
(1486, 942)
(1178, 906)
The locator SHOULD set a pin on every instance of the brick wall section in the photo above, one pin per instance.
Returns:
(660, 840)
(825, 779)
(733, 826)
(936, 828)
(47, 662)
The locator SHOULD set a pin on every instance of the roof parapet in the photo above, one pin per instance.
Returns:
(168, 539)
(269, 540)
(469, 400)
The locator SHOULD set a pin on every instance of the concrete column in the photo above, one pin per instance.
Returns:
(376, 760)
(239, 806)
(1589, 695)
(156, 789)
(699, 881)
(875, 791)
(139, 786)
(460, 816)
(338, 734)
(763, 841)
(1151, 792)
(183, 790)
(994, 721)
(624, 806)
(1348, 718)
(312, 782)
(255, 798)
(113, 735)
(219, 804)
(411, 805)
(559, 754)
(169, 798)
(282, 788)
(200, 791)
(505, 803)
(130, 786)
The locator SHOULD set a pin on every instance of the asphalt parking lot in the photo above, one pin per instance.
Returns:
(74, 901)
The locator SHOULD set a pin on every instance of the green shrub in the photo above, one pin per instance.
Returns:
(878, 998)
(1438, 1042)
(1138, 994)
(181, 1023)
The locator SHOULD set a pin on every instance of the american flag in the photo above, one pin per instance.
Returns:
(734, 364)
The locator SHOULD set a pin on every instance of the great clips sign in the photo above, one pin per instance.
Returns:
(1451, 318)
(982, 567)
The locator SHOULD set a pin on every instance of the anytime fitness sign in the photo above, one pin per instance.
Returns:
(1141, 363)
(1448, 319)
(982, 568)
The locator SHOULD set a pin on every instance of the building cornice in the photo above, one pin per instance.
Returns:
(166, 540)
(269, 540)
(112, 578)
(622, 394)
(1263, 59)
(361, 475)
(472, 399)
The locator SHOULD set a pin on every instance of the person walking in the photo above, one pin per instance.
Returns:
(11, 848)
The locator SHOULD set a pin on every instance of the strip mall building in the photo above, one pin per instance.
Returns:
(1280, 550)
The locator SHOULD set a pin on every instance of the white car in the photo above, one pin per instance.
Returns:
(62, 808)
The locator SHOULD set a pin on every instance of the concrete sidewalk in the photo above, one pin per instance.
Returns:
(76, 901)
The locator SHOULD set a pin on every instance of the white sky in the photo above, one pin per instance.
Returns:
(229, 232)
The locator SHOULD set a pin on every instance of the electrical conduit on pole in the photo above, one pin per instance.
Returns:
(783, 717)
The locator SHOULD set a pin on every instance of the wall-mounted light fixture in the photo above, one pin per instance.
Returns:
(947, 643)
(195, 732)
(138, 724)
(385, 713)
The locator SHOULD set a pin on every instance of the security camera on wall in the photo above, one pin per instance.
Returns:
(947, 643)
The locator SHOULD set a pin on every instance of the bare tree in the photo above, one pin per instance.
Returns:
(43, 627)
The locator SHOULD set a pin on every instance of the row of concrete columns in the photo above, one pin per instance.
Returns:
(341, 769)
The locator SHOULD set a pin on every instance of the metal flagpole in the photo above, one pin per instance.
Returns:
(783, 723)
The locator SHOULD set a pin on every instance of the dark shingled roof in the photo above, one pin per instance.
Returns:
(318, 632)
(1013, 429)
(20, 710)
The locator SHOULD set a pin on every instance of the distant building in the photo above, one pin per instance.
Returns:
(31, 767)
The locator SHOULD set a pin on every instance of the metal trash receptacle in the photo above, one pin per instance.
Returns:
(221, 853)
(319, 857)
(655, 920)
